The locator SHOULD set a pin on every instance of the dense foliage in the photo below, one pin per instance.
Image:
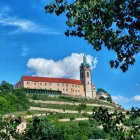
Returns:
(118, 125)
(102, 125)
(100, 90)
(41, 129)
(113, 24)
(12, 99)
(8, 127)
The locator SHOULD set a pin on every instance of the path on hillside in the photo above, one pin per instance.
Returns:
(60, 110)
(54, 110)
(68, 103)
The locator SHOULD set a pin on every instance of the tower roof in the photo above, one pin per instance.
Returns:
(85, 63)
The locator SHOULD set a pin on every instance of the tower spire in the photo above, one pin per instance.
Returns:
(84, 59)
(85, 63)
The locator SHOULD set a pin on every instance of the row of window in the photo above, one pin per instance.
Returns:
(72, 90)
(51, 83)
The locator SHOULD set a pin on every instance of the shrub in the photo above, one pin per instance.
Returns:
(72, 118)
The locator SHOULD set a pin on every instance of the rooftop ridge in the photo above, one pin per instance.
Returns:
(51, 79)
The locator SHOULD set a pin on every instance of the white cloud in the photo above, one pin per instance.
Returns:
(95, 61)
(136, 98)
(22, 25)
(68, 67)
(120, 99)
(24, 51)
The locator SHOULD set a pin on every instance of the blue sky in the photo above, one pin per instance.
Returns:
(33, 43)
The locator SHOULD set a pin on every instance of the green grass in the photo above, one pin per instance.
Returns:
(63, 107)
(65, 98)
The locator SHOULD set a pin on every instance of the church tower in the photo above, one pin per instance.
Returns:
(86, 77)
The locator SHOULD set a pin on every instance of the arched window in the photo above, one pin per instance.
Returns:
(87, 74)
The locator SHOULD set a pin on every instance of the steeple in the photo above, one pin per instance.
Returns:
(85, 63)
(86, 77)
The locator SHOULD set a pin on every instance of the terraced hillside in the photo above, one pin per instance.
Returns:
(63, 107)
(58, 107)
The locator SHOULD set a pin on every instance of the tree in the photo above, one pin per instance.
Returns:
(12, 99)
(8, 127)
(3, 105)
(101, 90)
(115, 123)
(42, 129)
(5, 86)
(113, 24)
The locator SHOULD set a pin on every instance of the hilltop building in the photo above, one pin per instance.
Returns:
(82, 87)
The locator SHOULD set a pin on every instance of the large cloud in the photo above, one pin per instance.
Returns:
(68, 67)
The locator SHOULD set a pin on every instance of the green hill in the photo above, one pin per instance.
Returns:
(58, 107)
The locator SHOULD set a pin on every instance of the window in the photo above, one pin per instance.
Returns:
(87, 74)
(34, 83)
(57, 84)
(45, 84)
(27, 83)
(40, 83)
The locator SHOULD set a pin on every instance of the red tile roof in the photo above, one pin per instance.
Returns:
(52, 80)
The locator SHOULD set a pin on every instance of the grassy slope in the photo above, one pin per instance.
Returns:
(55, 116)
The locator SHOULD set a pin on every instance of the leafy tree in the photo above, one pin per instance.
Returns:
(109, 99)
(5, 86)
(115, 124)
(3, 105)
(12, 99)
(8, 125)
(42, 129)
(100, 90)
(113, 24)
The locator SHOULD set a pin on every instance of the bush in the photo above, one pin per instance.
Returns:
(35, 97)
(29, 113)
(14, 100)
(72, 118)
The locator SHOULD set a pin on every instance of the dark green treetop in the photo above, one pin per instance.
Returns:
(113, 24)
